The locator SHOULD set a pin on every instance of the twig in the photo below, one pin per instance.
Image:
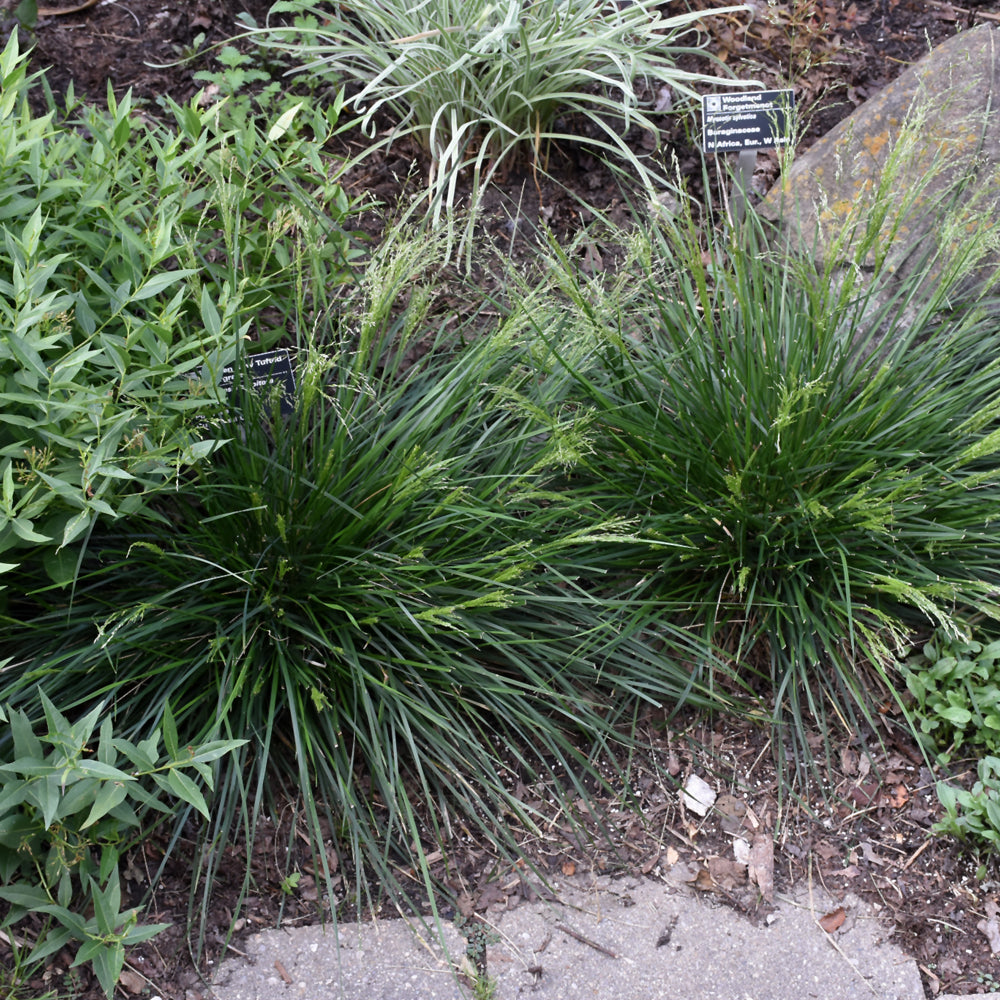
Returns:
(916, 854)
(944, 923)
(586, 940)
(57, 12)
(680, 836)
(430, 859)
(12, 941)
(843, 955)
(811, 907)
(829, 937)
(963, 10)
(767, 746)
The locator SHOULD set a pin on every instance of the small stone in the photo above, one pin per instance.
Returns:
(698, 795)
(741, 851)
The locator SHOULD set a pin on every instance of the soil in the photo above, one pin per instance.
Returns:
(870, 835)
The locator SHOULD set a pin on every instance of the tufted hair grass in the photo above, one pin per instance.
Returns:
(810, 453)
(382, 592)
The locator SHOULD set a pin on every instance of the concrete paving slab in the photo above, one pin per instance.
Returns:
(630, 939)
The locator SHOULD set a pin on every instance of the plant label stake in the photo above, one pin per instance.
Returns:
(264, 372)
(745, 122)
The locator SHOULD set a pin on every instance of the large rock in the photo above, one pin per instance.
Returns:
(919, 164)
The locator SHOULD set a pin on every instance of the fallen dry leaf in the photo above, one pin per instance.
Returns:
(490, 896)
(726, 874)
(863, 795)
(732, 812)
(672, 857)
(897, 796)
(760, 867)
(950, 966)
(990, 927)
(851, 871)
(826, 850)
(593, 262)
(702, 881)
(832, 920)
(869, 852)
(307, 889)
(132, 981)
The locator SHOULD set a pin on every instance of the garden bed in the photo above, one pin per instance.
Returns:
(876, 845)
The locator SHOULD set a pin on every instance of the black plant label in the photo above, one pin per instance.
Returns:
(757, 119)
(268, 372)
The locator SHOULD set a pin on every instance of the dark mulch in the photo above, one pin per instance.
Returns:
(871, 837)
(866, 837)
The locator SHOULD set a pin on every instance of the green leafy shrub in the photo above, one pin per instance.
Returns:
(131, 255)
(477, 82)
(812, 463)
(69, 811)
(954, 683)
(381, 592)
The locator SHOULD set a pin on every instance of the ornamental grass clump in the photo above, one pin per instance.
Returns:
(476, 83)
(381, 592)
(812, 463)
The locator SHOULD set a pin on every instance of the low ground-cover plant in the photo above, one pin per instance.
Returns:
(955, 683)
(812, 461)
(254, 82)
(956, 703)
(973, 815)
(131, 254)
(70, 807)
(381, 593)
(477, 83)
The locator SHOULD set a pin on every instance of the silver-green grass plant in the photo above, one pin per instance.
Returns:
(478, 82)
